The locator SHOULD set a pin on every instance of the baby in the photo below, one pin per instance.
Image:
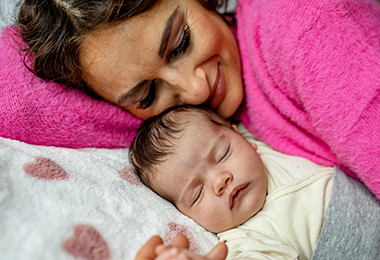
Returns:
(262, 203)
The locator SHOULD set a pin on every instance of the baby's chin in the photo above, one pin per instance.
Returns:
(224, 228)
(219, 229)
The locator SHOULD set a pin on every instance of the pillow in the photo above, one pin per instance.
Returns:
(40, 112)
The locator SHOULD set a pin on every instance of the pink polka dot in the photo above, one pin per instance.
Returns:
(177, 229)
(44, 168)
(128, 175)
(87, 243)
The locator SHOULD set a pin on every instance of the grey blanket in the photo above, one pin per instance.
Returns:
(351, 228)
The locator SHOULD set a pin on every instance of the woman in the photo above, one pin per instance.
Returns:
(310, 69)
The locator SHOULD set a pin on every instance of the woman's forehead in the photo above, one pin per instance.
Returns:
(137, 29)
(127, 47)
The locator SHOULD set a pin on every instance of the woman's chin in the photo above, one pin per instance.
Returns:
(231, 107)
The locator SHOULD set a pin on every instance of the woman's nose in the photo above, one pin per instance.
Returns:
(221, 182)
(191, 86)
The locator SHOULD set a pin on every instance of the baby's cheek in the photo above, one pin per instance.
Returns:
(214, 219)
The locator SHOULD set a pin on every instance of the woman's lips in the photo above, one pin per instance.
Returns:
(218, 91)
(236, 194)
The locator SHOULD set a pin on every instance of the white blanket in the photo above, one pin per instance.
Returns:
(8, 12)
(59, 203)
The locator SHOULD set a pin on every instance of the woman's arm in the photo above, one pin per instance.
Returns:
(312, 80)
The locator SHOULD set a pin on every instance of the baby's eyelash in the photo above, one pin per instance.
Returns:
(225, 154)
(198, 195)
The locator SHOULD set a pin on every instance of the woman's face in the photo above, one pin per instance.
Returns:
(175, 53)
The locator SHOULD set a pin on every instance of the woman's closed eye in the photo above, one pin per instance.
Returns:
(150, 97)
(180, 49)
(182, 46)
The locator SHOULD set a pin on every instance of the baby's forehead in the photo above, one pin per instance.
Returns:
(197, 127)
(192, 115)
(169, 177)
(195, 118)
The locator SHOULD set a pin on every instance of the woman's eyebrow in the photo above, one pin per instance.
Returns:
(130, 94)
(167, 32)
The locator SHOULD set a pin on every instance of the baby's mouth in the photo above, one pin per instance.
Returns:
(236, 194)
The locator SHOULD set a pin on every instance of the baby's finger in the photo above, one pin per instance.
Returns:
(181, 241)
(219, 252)
(176, 253)
(168, 253)
(147, 252)
(160, 249)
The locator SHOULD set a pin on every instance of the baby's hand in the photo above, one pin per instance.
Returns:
(175, 253)
(170, 252)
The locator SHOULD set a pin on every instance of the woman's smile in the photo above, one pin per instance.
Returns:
(218, 91)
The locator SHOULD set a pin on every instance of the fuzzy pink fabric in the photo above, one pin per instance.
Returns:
(312, 78)
(45, 113)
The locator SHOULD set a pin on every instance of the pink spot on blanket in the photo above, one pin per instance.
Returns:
(128, 175)
(87, 243)
(44, 168)
(177, 229)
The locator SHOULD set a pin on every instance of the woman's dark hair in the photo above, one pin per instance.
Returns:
(55, 29)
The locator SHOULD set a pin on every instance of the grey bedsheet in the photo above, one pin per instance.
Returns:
(351, 229)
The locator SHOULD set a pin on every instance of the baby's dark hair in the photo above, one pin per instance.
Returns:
(154, 140)
(54, 31)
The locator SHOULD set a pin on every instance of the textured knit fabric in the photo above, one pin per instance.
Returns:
(352, 222)
(38, 112)
(312, 80)
(289, 224)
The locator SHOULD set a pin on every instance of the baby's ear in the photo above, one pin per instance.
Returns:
(254, 145)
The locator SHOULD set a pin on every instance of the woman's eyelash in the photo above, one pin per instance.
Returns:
(184, 44)
(148, 101)
(182, 47)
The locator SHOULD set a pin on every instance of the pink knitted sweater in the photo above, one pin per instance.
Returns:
(312, 80)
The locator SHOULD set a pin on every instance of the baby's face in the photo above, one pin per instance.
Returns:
(215, 177)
